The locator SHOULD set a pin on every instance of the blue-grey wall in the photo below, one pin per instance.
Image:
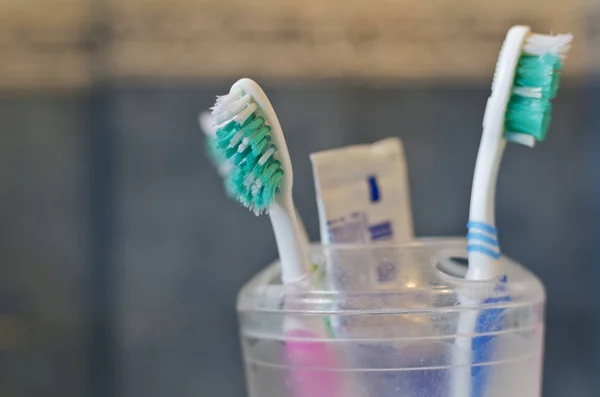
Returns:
(121, 257)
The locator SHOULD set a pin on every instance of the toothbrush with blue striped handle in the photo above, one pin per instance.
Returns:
(518, 110)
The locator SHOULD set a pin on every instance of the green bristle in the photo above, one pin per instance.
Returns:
(529, 116)
(217, 157)
(252, 184)
(539, 71)
(535, 84)
(261, 146)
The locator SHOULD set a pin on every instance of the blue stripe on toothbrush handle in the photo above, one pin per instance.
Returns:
(483, 347)
(482, 237)
(483, 226)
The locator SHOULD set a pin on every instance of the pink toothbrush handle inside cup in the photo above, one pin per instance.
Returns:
(312, 365)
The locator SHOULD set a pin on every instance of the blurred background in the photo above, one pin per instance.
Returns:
(120, 256)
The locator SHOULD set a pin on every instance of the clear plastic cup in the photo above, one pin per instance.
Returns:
(381, 321)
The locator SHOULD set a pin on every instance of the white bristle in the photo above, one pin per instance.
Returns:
(227, 109)
(243, 145)
(235, 108)
(539, 44)
(249, 181)
(257, 211)
(530, 92)
(256, 186)
(227, 98)
(263, 159)
(221, 125)
(236, 139)
(244, 114)
(523, 139)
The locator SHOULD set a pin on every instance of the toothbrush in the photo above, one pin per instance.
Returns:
(518, 110)
(249, 136)
(223, 166)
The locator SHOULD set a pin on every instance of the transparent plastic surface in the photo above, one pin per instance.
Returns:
(381, 321)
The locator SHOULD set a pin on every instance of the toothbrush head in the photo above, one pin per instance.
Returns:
(249, 138)
(535, 61)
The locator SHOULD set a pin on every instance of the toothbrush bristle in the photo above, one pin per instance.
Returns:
(213, 153)
(535, 84)
(242, 138)
(540, 44)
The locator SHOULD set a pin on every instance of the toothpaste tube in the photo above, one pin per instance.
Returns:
(363, 198)
(363, 194)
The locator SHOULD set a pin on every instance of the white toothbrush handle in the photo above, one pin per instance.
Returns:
(484, 249)
(291, 242)
(463, 354)
(482, 246)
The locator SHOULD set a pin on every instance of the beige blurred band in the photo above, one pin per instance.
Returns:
(67, 43)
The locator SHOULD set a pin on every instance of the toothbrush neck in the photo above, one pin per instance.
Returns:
(290, 242)
(489, 157)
